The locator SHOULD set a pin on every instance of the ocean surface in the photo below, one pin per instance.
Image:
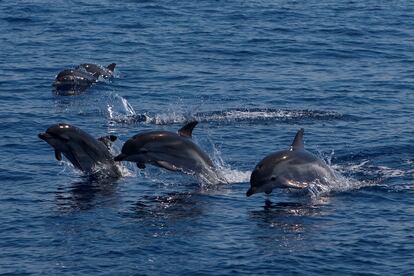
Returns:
(252, 73)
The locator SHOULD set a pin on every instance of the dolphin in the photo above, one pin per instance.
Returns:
(168, 150)
(71, 81)
(98, 70)
(86, 153)
(292, 168)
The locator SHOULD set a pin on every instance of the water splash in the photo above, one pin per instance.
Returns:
(228, 116)
(341, 181)
(229, 174)
(68, 169)
(337, 184)
(119, 110)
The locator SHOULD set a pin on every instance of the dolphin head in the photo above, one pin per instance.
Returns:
(66, 77)
(280, 170)
(268, 173)
(72, 79)
(57, 135)
(134, 149)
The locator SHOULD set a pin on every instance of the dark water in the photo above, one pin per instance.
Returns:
(252, 73)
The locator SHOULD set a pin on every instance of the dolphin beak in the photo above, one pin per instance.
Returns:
(120, 157)
(43, 136)
(251, 191)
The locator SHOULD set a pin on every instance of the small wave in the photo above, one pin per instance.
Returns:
(256, 114)
(226, 116)
(370, 170)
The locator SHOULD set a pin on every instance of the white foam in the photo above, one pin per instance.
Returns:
(252, 115)
(125, 171)
(227, 173)
(167, 118)
(178, 115)
(120, 110)
(235, 176)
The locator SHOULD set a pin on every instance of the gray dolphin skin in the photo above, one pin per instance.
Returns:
(168, 150)
(97, 70)
(72, 81)
(86, 153)
(292, 168)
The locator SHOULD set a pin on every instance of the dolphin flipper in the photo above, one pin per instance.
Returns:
(298, 141)
(187, 130)
(58, 155)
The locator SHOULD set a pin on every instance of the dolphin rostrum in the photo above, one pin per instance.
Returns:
(168, 150)
(292, 168)
(86, 153)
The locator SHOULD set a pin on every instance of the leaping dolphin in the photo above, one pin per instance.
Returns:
(74, 81)
(168, 150)
(86, 153)
(292, 168)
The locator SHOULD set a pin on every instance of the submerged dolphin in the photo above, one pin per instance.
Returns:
(168, 150)
(98, 70)
(292, 168)
(86, 153)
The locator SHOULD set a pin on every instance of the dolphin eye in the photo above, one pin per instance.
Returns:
(259, 166)
(273, 178)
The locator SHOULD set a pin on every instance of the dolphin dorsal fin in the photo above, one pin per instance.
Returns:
(187, 130)
(111, 67)
(298, 141)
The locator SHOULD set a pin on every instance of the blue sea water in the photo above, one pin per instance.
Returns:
(252, 73)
